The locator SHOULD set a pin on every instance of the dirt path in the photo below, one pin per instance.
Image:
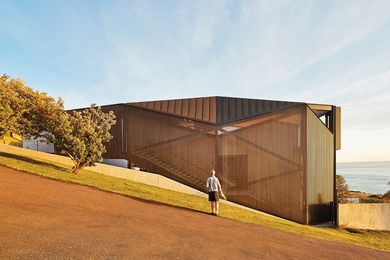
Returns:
(42, 218)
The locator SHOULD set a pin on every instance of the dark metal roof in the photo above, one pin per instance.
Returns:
(216, 110)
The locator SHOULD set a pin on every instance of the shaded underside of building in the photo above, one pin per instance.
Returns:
(274, 156)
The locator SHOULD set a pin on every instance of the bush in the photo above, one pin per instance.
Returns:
(82, 135)
(342, 189)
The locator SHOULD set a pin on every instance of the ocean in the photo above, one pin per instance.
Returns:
(371, 177)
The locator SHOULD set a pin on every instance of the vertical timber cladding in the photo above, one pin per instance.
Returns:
(269, 155)
(338, 128)
(320, 148)
(259, 162)
(116, 148)
(178, 148)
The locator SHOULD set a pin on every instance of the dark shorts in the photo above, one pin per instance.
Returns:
(213, 196)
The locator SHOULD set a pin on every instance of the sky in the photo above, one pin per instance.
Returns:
(104, 52)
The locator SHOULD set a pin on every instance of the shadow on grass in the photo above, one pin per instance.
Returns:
(353, 231)
(29, 160)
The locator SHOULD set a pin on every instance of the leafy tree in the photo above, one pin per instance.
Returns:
(31, 113)
(11, 107)
(342, 189)
(387, 195)
(82, 135)
(43, 114)
(25, 111)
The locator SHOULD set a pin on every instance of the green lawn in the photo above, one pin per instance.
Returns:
(371, 239)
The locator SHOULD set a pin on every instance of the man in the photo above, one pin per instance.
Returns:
(214, 187)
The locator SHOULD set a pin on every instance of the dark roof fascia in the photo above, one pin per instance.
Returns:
(82, 108)
(173, 99)
(288, 101)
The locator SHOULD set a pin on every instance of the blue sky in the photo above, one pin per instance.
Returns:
(104, 52)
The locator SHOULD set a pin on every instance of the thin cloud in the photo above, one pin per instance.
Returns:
(108, 52)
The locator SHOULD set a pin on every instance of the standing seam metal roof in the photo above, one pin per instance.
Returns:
(216, 110)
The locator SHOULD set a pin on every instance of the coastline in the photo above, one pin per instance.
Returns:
(366, 177)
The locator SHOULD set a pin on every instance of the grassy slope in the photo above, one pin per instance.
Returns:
(371, 239)
(6, 139)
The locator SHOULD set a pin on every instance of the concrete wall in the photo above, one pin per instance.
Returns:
(138, 176)
(374, 216)
(123, 163)
(38, 144)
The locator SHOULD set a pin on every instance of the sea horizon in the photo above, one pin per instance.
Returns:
(379, 161)
(370, 176)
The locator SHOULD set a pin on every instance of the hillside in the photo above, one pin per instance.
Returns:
(372, 239)
(42, 218)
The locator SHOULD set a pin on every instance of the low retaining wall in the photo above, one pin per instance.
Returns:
(374, 216)
(133, 175)
(138, 176)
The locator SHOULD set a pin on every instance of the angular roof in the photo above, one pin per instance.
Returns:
(215, 110)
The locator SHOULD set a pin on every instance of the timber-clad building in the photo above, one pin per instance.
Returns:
(274, 156)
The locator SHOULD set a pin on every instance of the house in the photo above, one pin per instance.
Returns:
(275, 156)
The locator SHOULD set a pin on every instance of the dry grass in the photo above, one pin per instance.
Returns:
(11, 140)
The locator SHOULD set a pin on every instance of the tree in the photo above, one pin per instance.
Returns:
(11, 107)
(25, 111)
(342, 189)
(82, 135)
(43, 114)
(30, 113)
(386, 195)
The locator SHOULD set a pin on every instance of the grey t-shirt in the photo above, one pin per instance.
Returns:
(213, 184)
